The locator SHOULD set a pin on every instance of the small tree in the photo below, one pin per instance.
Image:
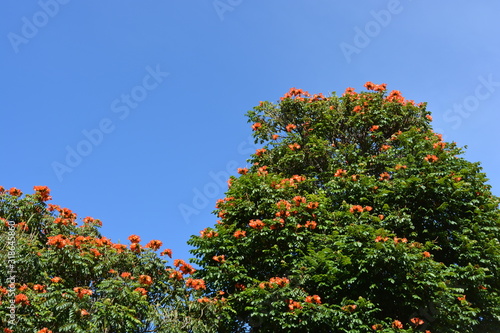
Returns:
(58, 276)
(354, 217)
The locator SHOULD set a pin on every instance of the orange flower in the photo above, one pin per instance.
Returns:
(56, 279)
(196, 284)
(259, 152)
(311, 224)
(312, 205)
(340, 173)
(377, 327)
(142, 291)
(145, 279)
(240, 286)
(397, 324)
(374, 128)
(426, 254)
(119, 247)
(385, 147)
(429, 117)
(368, 209)
(298, 200)
(95, 252)
(240, 234)
(39, 287)
(294, 146)
(126, 275)
(349, 307)
(135, 247)
(417, 321)
(154, 244)
(290, 127)
(43, 330)
(21, 298)
(175, 275)
(385, 176)
(256, 224)
(58, 241)
(15, 192)
(134, 239)
(221, 258)
(293, 305)
(167, 252)
(431, 158)
(461, 298)
(399, 166)
(349, 91)
(82, 292)
(43, 192)
(242, 171)
(275, 136)
(256, 126)
(356, 208)
(84, 312)
(281, 282)
(313, 299)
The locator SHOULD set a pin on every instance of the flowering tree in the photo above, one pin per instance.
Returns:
(354, 217)
(58, 276)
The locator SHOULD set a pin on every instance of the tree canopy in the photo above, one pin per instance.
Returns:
(355, 216)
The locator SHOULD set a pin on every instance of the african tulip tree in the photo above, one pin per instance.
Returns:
(67, 277)
(354, 217)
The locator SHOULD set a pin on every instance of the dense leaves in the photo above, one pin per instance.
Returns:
(58, 276)
(355, 216)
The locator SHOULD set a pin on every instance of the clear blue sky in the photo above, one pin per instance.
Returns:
(132, 110)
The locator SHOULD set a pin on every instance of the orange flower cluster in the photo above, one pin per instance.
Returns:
(184, 267)
(385, 147)
(395, 96)
(313, 205)
(84, 312)
(80, 292)
(309, 224)
(374, 128)
(397, 324)
(298, 200)
(376, 87)
(293, 305)
(426, 254)
(205, 233)
(134, 239)
(43, 330)
(154, 244)
(349, 91)
(275, 136)
(349, 307)
(221, 258)
(360, 209)
(240, 286)
(313, 299)
(417, 321)
(135, 247)
(431, 158)
(21, 299)
(340, 173)
(242, 171)
(385, 176)
(290, 127)
(58, 241)
(294, 92)
(142, 291)
(196, 284)
(256, 126)
(260, 152)
(292, 182)
(240, 234)
(88, 220)
(399, 166)
(357, 109)
(377, 327)
(43, 192)
(56, 279)
(262, 171)
(439, 145)
(395, 239)
(15, 192)
(145, 279)
(256, 224)
(167, 252)
(294, 146)
(174, 274)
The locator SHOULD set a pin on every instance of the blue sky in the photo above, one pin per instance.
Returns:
(133, 111)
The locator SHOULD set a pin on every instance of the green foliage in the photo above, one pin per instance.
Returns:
(69, 278)
(363, 215)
